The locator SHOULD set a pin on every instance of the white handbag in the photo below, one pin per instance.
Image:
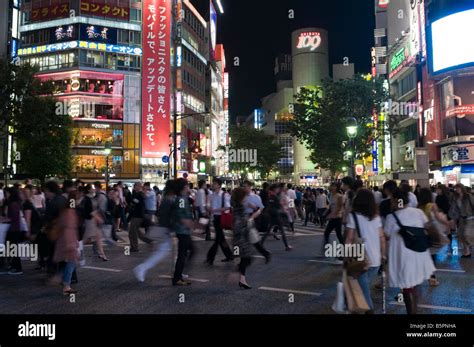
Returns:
(254, 236)
(23, 225)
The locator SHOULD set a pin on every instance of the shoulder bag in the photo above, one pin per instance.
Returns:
(414, 238)
(353, 265)
(226, 216)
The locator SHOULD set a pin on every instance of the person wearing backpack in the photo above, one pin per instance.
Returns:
(409, 259)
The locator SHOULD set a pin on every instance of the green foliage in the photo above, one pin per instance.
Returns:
(322, 113)
(27, 108)
(268, 151)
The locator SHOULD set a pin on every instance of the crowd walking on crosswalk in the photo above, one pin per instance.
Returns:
(399, 230)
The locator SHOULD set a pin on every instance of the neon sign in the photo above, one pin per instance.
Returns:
(311, 40)
(383, 3)
(80, 44)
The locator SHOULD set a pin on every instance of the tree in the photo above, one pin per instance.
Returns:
(28, 110)
(321, 117)
(244, 140)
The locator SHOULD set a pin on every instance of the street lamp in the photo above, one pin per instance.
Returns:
(351, 130)
(107, 151)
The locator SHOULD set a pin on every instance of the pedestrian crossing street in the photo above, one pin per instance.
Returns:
(300, 230)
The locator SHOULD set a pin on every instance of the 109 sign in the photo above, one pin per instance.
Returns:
(311, 40)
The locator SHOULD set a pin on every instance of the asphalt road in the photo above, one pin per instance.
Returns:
(301, 274)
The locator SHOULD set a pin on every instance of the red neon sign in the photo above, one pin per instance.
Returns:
(156, 87)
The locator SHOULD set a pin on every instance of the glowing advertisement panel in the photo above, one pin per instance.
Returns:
(156, 86)
(452, 41)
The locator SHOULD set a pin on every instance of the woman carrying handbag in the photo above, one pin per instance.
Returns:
(364, 223)
(242, 235)
(438, 226)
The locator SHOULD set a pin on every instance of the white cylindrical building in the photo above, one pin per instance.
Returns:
(310, 67)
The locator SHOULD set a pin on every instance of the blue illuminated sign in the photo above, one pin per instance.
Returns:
(80, 44)
(375, 159)
(14, 48)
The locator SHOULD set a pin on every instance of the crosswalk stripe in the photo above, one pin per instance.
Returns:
(291, 291)
(190, 278)
(100, 268)
(325, 262)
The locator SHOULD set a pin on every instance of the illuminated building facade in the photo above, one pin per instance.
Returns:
(92, 51)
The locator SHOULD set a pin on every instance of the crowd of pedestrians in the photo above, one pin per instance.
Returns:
(60, 220)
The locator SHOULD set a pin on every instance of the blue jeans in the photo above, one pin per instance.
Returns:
(67, 273)
(364, 282)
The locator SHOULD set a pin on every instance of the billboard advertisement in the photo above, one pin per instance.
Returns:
(213, 29)
(451, 42)
(63, 33)
(45, 13)
(98, 33)
(156, 86)
(100, 9)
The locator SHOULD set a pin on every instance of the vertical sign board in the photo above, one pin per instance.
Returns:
(156, 87)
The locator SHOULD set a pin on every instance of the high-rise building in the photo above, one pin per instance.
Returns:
(430, 78)
(276, 118)
(9, 28)
(310, 67)
(92, 51)
(9, 40)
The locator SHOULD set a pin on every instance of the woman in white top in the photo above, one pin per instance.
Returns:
(38, 200)
(406, 268)
(369, 225)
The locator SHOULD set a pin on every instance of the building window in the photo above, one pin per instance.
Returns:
(135, 15)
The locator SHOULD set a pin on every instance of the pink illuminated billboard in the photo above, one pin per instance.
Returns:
(156, 83)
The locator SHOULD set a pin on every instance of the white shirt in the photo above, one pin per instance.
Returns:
(321, 201)
(406, 268)
(377, 197)
(291, 194)
(201, 200)
(412, 200)
(216, 201)
(370, 233)
(255, 201)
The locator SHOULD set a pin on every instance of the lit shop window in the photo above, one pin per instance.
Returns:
(91, 86)
(52, 62)
(92, 109)
(96, 163)
(97, 137)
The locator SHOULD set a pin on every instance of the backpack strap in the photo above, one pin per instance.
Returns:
(356, 223)
(397, 220)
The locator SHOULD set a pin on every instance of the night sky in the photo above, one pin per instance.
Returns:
(257, 30)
